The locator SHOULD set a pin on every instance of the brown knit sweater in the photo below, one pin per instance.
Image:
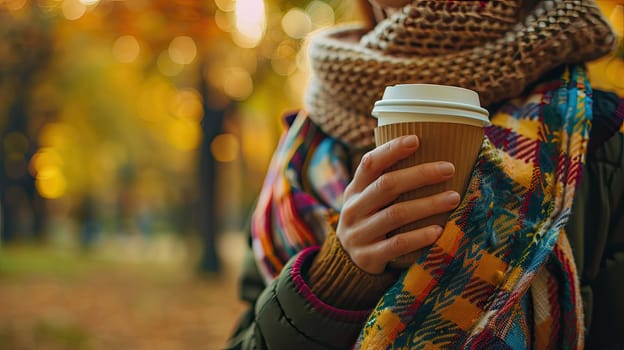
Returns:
(336, 280)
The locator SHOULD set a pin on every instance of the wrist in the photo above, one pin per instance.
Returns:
(336, 280)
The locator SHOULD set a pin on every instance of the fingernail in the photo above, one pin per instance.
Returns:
(446, 169)
(452, 198)
(410, 141)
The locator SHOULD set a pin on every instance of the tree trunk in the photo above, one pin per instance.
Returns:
(208, 223)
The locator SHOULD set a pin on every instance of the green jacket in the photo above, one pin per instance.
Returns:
(287, 315)
(596, 227)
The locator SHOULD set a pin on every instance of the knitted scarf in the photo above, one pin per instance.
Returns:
(479, 45)
(502, 274)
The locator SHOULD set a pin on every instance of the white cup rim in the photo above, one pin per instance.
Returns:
(459, 104)
(405, 102)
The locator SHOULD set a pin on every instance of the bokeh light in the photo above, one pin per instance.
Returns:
(237, 83)
(225, 5)
(250, 22)
(225, 148)
(283, 61)
(296, 23)
(50, 183)
(46, 166)
(73, 9)
(187, 104)
(182, 50)
(45, 158)
(126, 49)
(224, 20)
(321, 14)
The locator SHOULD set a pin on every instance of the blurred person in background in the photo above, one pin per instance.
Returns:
(531, 256)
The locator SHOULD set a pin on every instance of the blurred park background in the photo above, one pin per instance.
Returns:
(134, 137)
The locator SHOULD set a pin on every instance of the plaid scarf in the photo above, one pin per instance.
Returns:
(502, 274)
(301, 195)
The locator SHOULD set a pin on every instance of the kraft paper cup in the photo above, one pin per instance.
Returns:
(449, 122)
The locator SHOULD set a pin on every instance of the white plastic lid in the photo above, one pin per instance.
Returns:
(430, 102)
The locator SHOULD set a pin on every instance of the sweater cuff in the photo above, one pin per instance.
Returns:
(337, 281)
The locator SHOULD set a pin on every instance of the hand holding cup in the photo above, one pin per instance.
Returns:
(370, 211)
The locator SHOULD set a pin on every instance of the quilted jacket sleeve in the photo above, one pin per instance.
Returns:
(287, 315)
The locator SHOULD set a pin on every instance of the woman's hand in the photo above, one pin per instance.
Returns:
(366, 218)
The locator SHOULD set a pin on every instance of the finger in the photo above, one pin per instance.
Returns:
(379, 159)
(389, 186)
(407, 242)
(400, 214)
(375, 257)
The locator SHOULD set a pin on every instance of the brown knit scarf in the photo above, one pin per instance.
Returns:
(480, 45)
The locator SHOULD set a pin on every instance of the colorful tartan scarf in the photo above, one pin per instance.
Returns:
(502, 274)
(301, 195)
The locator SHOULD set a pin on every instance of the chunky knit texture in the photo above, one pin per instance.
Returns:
(479, 45)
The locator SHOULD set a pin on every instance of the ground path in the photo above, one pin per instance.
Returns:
(49, 302)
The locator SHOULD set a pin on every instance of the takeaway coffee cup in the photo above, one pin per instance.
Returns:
(449, 122)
